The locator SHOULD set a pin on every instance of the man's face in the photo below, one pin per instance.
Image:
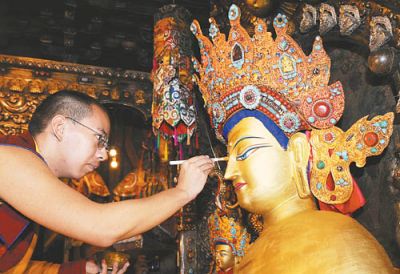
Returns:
(83, 146)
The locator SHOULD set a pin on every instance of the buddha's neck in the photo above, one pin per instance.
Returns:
(287, 208)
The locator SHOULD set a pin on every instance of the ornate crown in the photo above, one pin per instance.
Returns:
(261, 74)
(227, 230)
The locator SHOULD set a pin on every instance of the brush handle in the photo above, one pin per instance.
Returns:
(179, 162)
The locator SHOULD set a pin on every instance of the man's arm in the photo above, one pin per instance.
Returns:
(28, 185)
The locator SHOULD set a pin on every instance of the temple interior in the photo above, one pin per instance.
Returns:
(113, 50)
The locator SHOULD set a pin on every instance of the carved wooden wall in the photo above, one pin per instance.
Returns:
(25, 82)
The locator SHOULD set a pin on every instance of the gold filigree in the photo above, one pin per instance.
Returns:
(334, 150)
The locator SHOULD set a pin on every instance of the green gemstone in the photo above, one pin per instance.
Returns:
(320, 165)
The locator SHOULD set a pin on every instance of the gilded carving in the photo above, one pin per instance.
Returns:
(91, 91)
(115, 94)
(74, 86)
(327, 18)
(16, 85)
(139, 97)
(20, 93)
(380, 32)
(309, 18)
(53, 86)
(349, 19)
(35, 86)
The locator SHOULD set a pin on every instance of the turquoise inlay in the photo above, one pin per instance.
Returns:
(320, 165)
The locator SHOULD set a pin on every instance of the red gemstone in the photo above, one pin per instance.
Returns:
(288, 123)
(371, 139)
(329, 136)
(333, 198)
(322, 109)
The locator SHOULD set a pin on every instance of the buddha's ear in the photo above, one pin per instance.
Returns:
(299, 150)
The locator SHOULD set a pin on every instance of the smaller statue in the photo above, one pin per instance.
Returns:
(228, 241)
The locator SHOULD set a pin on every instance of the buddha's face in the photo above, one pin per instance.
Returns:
(258, 167)
(224, 257)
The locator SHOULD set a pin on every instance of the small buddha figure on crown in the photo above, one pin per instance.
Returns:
(278, 122)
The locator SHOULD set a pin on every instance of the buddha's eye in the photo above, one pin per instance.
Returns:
(248, 151)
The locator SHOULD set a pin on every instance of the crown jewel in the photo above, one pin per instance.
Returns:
(259, 73)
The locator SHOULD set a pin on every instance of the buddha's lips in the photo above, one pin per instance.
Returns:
(239, 185)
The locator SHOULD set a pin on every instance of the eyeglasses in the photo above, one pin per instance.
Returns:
(102, 139)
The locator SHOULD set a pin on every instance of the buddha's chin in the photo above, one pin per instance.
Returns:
(244, 202)
(249, 205)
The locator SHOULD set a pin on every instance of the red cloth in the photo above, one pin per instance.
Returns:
(15, 232)
(13, 225)
(77, 267)
(355, 202)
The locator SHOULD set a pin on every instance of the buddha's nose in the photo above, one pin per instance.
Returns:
(231, 169)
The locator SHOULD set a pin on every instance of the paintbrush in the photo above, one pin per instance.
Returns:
(179, 162)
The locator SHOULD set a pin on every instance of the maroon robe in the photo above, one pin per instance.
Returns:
(16, 231)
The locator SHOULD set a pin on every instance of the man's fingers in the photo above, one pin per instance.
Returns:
(103, 267)
(198, 159)
(124, 268)
(115, 268)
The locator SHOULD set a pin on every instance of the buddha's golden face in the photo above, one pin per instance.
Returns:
(258, 166)
(224, 257)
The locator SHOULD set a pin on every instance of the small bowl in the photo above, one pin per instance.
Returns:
(112, 257)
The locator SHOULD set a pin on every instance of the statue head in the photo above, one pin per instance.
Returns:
(224, 258)
(263, 95)
(229, 240)
(260, 169)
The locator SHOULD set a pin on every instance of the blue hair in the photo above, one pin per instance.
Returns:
(268, 123)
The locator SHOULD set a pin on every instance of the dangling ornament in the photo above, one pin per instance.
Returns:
(173, 110)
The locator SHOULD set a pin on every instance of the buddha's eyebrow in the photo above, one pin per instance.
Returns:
(244, 138)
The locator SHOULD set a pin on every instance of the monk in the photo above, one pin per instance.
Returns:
(68, 137)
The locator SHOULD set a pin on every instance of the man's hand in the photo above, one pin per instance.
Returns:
(193, 175)
(93, 268)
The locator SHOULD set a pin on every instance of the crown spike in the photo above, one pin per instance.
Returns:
(234, 14)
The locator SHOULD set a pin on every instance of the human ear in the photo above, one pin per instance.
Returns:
(299, 150)
(57, 126)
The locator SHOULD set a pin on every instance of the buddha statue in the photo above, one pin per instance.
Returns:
(285, 152)
(228, 241)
